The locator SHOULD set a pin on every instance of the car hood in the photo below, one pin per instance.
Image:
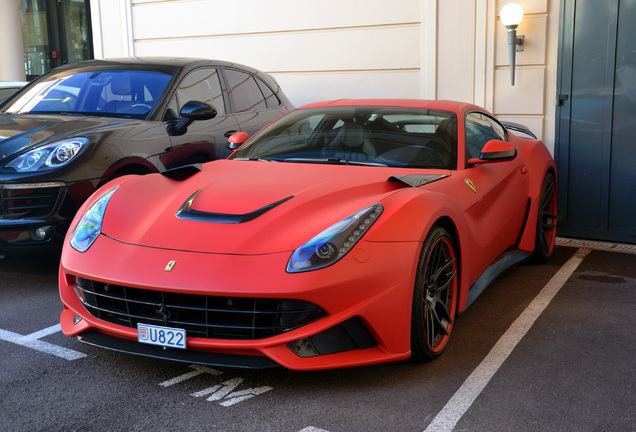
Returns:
(19, 132)
(243, 207)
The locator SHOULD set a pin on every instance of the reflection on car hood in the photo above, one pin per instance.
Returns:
(243, 207)
(21, 131)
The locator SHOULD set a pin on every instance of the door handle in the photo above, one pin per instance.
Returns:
(229, 133)
(562, 98)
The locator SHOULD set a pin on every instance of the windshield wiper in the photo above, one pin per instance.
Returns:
(256, 159)
(335, 161)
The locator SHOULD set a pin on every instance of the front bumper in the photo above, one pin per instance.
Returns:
(367, 297)
(35, 216)
(31, 217)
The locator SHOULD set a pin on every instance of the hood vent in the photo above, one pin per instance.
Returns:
(187, 213)
(417, 180)
(183, 172)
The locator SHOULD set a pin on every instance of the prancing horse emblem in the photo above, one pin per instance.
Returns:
(470, 184)
(169, 266)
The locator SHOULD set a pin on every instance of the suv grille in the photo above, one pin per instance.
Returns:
(28, 201)
(201, 316)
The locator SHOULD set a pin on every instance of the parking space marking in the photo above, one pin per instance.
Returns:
(222, 393)
(461, 401)
(198, 370)
(33, 341)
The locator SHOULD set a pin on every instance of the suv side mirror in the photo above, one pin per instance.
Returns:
(190, 112)
(495, 151)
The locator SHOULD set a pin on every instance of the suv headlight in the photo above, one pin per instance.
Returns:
(335, 242)
(90, 225)
(50, 156)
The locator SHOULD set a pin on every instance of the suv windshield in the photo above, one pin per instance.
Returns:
(377, 136)
(109, 93)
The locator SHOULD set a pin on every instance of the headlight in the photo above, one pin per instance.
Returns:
(335, 242)
(50, 156)
(90, 225)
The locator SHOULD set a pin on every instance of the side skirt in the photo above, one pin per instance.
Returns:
(501, 264)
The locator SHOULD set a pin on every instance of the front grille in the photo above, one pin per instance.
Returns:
(25, 201)
(200, 316)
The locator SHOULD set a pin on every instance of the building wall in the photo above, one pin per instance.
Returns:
(324, 49)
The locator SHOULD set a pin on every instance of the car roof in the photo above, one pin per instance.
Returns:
(174, 62)
(5, 84)
(444, 105)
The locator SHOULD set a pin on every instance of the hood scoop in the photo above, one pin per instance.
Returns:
(417, 180)
(183, 172)
(186, 212)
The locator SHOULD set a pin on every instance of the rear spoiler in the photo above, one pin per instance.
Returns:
(519, 128)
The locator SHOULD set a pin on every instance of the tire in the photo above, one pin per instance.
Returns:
(434, 296)
(546, 221)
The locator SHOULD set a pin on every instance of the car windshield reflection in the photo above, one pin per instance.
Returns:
(370, 136)
(108, 93)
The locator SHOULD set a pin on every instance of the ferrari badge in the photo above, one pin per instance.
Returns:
(470, 184)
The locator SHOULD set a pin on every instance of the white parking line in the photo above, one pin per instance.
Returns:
(461, 401)
(33, 341)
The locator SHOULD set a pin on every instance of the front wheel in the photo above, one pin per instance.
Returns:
(434, 297)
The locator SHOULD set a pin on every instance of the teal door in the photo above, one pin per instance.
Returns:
(595, 147)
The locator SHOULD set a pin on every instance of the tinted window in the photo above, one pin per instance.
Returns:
(479, 130)
(245, 95)
(270, 98)
(378, 136)
(123, 93)
(202, 85)
(6, 92)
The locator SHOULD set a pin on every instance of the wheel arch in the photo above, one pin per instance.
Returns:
(527, 239)
(127, 167)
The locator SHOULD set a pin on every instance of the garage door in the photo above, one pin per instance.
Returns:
(596, 120)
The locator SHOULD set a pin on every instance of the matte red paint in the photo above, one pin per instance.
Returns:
(374, 281)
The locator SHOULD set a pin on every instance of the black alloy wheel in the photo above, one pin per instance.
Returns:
(546, 221)
(434, 297)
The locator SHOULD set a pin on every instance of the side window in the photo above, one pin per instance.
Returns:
(245, 95)
(202, 85)
(479, 130)
(271, 100)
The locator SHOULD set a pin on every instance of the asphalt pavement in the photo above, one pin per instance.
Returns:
(545, 348)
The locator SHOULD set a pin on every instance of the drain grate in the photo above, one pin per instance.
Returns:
(596, 245)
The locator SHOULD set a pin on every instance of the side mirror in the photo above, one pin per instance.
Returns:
(189, 113)
(236, 140)
(495, 151)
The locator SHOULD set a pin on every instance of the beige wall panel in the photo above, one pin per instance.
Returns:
(344, 49)
(112, 39)
(535, 34)
(176, 18)
(529, 6)
(304, 88)
(456, 50)
(525, 97)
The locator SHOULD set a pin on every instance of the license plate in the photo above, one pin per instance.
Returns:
(161, 336)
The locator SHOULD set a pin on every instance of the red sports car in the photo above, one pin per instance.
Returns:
(345, 233)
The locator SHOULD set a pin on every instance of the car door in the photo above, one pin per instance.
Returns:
(252, 102)
(500, 190)
(204, 140)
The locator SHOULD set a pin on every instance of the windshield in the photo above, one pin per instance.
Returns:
(376, 136)
(110, 93)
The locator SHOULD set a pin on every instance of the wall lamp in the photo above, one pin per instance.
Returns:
(511, 15)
